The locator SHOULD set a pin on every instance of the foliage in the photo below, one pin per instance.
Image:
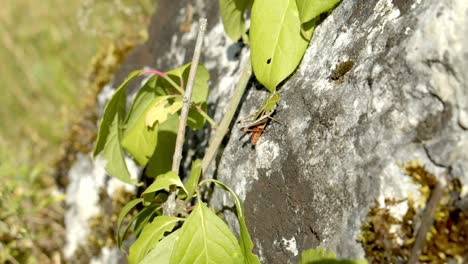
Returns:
(389, 239)
(280, 32)
(173, 224)
(320, 256)
(25, 200)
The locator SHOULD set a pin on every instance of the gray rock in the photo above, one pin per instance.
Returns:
(314, 173)
(336, 146)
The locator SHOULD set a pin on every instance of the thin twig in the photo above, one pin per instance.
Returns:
(187, 97)
(230, 111)
(426, 221)
(163, 75)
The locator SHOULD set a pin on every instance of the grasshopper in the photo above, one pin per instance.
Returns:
(256, 123)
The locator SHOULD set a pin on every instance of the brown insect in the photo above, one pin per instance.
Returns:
(340, 70)
(256, 123)
(257, 132)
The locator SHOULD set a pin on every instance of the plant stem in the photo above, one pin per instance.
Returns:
(205, 115)
(426, 221)
(230, 111)
(187, 97)
(169, 80)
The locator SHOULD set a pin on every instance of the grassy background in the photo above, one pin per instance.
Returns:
(46, 49)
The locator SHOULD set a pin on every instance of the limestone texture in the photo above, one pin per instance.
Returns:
(336, 145)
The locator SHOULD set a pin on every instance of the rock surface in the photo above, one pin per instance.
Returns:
(337, 145)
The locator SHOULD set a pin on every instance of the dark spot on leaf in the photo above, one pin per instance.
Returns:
(269, 61)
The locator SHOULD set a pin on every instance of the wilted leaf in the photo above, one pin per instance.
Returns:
(205, 238)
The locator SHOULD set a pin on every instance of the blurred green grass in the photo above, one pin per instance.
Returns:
(46, 52)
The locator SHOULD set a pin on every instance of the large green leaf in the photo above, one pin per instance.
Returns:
(310, 9)
(277, 45)
(115, 107)
(110, 134)
(161, 161)
(150, 237)
(140, 141)
(161, 254)
(159, 110)
(205, 238)
(164, 181)
(245, 241)
(309, 12)
(114, 155)
(232, 15)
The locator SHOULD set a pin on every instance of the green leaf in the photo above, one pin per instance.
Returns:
(159, 110)
(110, 133)
(150, 237)
(161, 254)
(114, 155)
(205, 238)
(140, 141)
(200, 86)
(140, 104)
(143, 217)
(195, 120)
(277, 45)
(194, 178)
(115, 107)
(319, 256)
(125, 210)
(309, 12)
(164, 181)
(161, 161)
(245, 241)
(232, 15)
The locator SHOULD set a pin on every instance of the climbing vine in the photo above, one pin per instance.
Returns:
(173, 225)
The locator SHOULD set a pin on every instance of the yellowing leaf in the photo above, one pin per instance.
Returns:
(160, 109)
(277, 45)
